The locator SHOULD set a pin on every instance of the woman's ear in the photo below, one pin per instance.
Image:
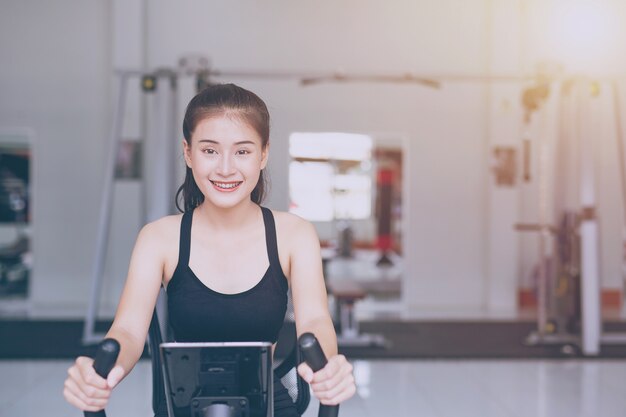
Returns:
(265, 153)
(187, 153)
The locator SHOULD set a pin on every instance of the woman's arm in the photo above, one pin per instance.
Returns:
(134, 312)
(308, 290)
(83, 387)
(335, 382)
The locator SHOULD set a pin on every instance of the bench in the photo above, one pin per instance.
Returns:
(346, 294)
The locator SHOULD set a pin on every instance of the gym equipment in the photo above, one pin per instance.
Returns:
(222, 369)
(352, 280)
(287, 356)
(106, 356)
(159, 172)
(15, 255)
(218, 379)
(346, 294)
(385, 195)
(569, 307)
(315, 358)
(14, 271)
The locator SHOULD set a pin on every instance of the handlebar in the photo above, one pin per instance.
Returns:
(105, 359)
(315, 358)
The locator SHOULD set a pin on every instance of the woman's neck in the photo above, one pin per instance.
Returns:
(224, 219)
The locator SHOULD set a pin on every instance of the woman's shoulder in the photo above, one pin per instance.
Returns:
(288, 219)
(166, 227)
(297, 236)
(293, 225)
(158, 239)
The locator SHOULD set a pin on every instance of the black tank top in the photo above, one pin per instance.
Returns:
(200, 314)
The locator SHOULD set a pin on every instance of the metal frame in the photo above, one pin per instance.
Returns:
(157, 191)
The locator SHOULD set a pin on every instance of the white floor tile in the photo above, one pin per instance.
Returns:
(526, 388)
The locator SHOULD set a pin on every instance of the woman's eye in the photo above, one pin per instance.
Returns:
(209, 151)
(243, 152)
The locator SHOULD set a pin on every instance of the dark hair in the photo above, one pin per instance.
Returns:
(223, 100)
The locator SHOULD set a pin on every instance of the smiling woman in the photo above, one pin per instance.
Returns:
(227, 263)
(222, 162)
(242, 130)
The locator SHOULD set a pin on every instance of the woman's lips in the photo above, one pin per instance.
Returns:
(226, 186)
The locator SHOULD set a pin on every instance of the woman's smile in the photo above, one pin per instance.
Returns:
(226, 187)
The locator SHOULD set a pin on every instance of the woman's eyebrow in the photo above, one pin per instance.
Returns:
(242, 142)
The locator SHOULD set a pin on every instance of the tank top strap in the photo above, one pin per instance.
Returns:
(270, 237)
(184, 244)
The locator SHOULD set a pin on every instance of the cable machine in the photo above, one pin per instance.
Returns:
(568, 285)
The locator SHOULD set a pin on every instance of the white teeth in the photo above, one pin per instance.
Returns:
(226, 185)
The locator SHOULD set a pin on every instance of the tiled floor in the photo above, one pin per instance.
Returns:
(522, 388)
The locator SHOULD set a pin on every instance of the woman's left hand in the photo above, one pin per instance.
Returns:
(332, 384)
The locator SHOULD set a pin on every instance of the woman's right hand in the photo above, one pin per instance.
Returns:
(87, 390)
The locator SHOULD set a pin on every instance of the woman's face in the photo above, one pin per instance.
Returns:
(226, 157)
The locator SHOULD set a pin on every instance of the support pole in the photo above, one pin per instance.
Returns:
(161, 150)
(590, 277)
(104, 220)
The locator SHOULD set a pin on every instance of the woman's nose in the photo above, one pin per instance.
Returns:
(226, 165)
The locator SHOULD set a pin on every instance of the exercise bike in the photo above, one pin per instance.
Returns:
(108, 350)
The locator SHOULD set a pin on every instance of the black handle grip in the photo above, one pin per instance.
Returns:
(106, 356)
(315, 358)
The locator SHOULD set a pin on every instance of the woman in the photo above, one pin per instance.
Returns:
(227, 262)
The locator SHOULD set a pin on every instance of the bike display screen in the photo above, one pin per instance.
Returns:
(218, 379)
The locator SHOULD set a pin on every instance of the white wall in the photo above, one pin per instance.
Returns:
(54, 78)
(503, 119)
